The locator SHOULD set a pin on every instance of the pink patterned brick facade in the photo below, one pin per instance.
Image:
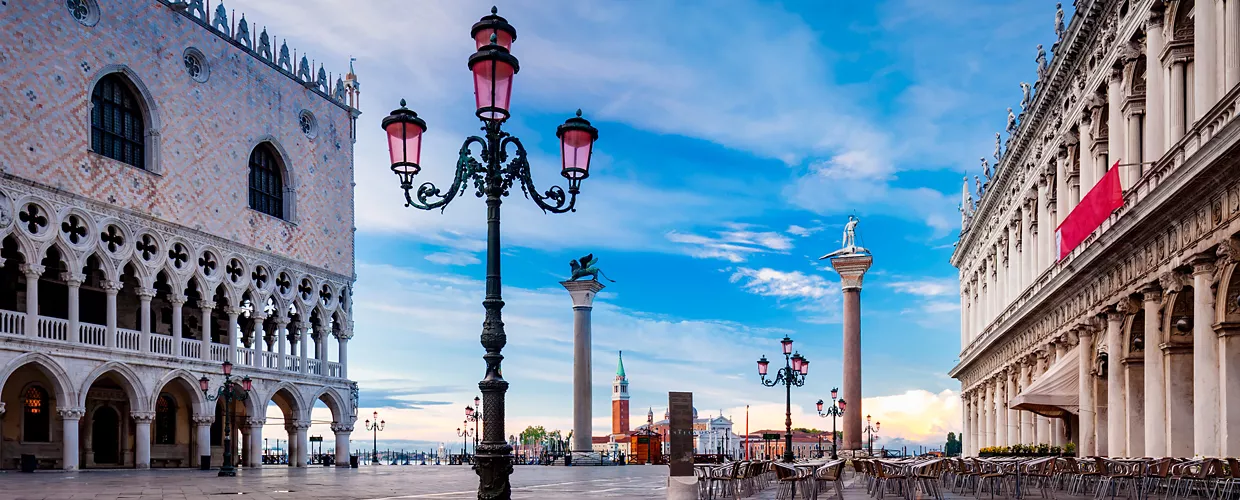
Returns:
(205, 130)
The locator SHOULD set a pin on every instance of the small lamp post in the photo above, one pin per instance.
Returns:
(231, 392)
(795, 369)
(465, 434)
(835, 410)
(474, 414)
(870, 430)
(374, 429)
(493, 67)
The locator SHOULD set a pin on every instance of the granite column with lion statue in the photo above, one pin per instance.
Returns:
(582, 292)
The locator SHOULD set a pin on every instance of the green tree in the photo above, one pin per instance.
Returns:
(954, 446)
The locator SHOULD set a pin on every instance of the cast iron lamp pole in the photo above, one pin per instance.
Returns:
(835, 410)
(493, 68)
(231, 392)
(375, 428)
(871, 429)
(796, 367)
(465, 434)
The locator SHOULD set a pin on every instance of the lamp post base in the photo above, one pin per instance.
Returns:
(227, 471)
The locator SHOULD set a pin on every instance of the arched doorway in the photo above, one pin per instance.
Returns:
(105, 436)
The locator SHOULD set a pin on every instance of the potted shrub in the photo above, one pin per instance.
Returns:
(1069, 449)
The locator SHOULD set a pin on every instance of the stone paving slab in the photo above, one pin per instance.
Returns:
(365, 483)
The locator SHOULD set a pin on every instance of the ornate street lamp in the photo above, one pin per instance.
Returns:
(493, 67)
(231, 392)
(465, 434)
(871, 429)
(796, 367)
(374, 429)
(835, 410)
(474, 414)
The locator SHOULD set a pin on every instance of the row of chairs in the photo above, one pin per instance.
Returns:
(733, 480)
(1100, 477)
(809, 480)
(902, 478)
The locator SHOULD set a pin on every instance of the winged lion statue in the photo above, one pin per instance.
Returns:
(585, 266)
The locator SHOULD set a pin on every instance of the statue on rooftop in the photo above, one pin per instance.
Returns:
(1011, 122)
(1043, 67)
(986, 168)
(1027, 99)
(1059, 29)
(998, 148)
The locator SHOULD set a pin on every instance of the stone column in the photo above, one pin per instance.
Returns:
(303, 443)
(1001, 400)
(984, 400)
(1229, 384)
(1116, 423)
(978, 430)
(852, 270)
(1013, 416)
(964, 315)
(142, 438)
(280, 334)
(582, 293)
(966, 440)
(231, 334)
(1085, 381)
(74, 282)
(1178, 117)
(1134, 151)
(145, 294)
(1205, 360)
(1086, 172)
(342, 432)
(32, 273)
(1044, 424)
(1155, 381)
(70, 418)
(178, 303)
(1155, 91)
(1115, 124)
(243, 458)
(342, 355)
(1026, 418)
(1058, 434)
(1029, 245)
(1014, 259)
(1205, 67)
(302, 347)
(207, 306)
(255, 457)
(260, 338)
(202, 426)
(1046, 240)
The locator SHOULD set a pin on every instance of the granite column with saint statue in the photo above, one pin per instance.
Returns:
(851, 261)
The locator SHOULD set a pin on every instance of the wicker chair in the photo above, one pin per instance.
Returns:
(830, 474)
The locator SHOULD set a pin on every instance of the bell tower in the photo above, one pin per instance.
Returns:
(620, 401)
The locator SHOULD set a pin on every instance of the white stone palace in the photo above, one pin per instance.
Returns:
(1127, 346)
(174, 194)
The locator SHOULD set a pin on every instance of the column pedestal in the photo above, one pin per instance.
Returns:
(582, 293)
(851, 269)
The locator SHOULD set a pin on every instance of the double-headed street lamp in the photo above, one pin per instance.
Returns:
(871, 429)
(835, 410)
(474, 414)
(493, 68)
(465, 434)
(230, 391)
(375, 428)
(796, 367)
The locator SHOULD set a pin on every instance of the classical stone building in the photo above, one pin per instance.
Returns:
(1127, 345)
(175, 193)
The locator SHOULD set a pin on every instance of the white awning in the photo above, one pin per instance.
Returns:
(1056, 393)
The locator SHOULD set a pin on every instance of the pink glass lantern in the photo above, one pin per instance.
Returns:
(841, 403)
(203, 383)
(493, 25)
(787, 343)
(762, 365)
(835, 392)
(493, 68)
(577, 138)
(469, 411)
(819, 406)
(804, 366)
(246, 384)
(796, 362)
(404, 130)
(227, 368)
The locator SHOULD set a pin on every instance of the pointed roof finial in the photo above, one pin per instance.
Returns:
(494, 10)
(620, 369)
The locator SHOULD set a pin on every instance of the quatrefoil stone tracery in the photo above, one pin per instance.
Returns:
(147, 246)
(113, 238)
(207, 263)
(178, 255)
(284, 283)
(74, 229)
(234, 270)
(34, 219)
(259, 276)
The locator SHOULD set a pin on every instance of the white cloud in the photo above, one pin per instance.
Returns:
(802, 231)
(805, 292)
(735, 243)
(931, 287)
(452, 258)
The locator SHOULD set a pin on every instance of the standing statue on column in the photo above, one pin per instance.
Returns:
(1027, 99)
(977, 182)
(986, 168)
(1043, 67)
(1059, 29)
(848, 244)
(1011, 122)
(998, 148)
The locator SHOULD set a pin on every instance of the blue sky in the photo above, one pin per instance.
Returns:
(735, 138)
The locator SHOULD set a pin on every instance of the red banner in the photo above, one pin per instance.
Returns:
(1105, 197)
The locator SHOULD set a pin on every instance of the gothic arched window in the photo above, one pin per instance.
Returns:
(266, 181)
(165, 420)
(117, 129)
(35, 415)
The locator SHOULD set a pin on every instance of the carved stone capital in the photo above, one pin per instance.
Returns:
(339, 428)
(73, 279)
(343, 335)
(206, 304)
(1203, 263)
(177, 299)
(203, 419)
(1152, 292)
(144, 292)
(32, 270)
(142, 416)
(1171, 281)
(71, 413)
(234, 311)
(255, 422)
(851, 269)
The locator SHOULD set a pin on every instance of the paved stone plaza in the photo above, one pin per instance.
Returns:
(381, 482)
